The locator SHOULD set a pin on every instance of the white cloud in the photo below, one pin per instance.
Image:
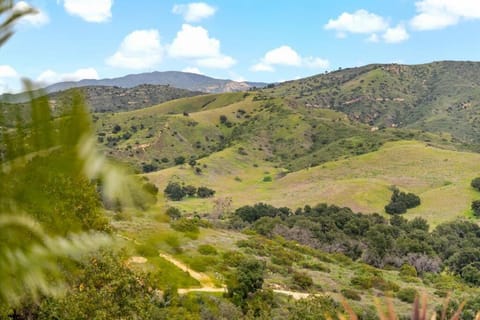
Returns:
(37, 19)
(396, 35)
(315, 63)
(194, 12)
(361, 21)
(195, 43)
(7, 71)
(50, 76)
(220, 62)
(286, 56)
(192, 70)
(438, 14)
(90, 10)
(262, 67)
(9, 79)
(283, 55)
(140, 49)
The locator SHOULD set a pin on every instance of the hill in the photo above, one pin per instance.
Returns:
(441, 97)
(117, 99)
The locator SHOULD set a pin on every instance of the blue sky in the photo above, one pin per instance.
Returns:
(238, 39)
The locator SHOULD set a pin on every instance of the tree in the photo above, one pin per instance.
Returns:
(204, 192)
(190, 190)
(476, 207)
(245, 281)
(179, 160)
(173, 213)
(476, 183)
(174, 191)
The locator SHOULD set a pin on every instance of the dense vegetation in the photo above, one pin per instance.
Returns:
(372, 238)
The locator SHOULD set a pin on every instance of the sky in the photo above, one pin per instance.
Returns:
(254, 40)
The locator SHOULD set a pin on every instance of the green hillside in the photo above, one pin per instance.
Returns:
(440, 177)
(437, 97)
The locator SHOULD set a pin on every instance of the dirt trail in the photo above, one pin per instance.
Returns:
(208, 285)
(204, 279)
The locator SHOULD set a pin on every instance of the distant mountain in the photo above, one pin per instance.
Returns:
(176, 79)
(441, 97)
(181, 80)
(116, 99)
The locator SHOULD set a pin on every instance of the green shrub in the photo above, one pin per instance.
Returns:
(174, 191)
(207, 249)
(312, 265)
(476, 183)
(407, 270)
(185, 225)
(362, 282)
(173, 213)
(476, 207)
(351, 294)
(204, 192)
(267, 179)
(302, 280)
(407, 295)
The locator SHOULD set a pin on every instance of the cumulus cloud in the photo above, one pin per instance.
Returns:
(140, 49)
(90, 10)
(361, 21)
(396, 35)
(438, 14)
(192, 70)
(194, 12)
(37, 19)
(50, 76)
(286, 56)
(9, 79)
(195, 43)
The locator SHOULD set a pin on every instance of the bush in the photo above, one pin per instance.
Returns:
(207, 249)
(302, 280)
(174, 191)
(267, 179)
(190, 190)
(476, 207)
(407, 270)
(476, 183)
(185, 225)
(407, 295)
(351, 294)
(179, 160)
(401, 201)
(204, 192)
(173, 213)
(316, 266)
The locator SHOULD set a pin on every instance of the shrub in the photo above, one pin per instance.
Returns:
(267, 179)
(351, 294)
(204, 192)
(190, 190)
(185, 225)
(302, 280)
(476, 183)
(174, 191)
(362, 282)
(407, 295)
(476, 207)
(173, 213)
(116, 128)
(179, 160)
(207, 249)
(407, 270)
(312, 265)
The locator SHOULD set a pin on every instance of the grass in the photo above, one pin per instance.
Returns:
(440, 177)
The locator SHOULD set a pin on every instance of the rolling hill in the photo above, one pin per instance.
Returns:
(438, 97)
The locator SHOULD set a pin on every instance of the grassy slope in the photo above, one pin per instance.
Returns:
(438, 97)
(152, 232)
(440, 177)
